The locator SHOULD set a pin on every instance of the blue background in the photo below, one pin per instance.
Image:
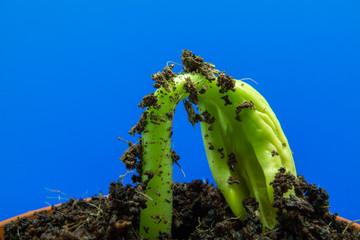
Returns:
(73, 72)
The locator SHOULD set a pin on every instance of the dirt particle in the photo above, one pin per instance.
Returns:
(274, 153)
(171, 132)
(149, 174)
(225, 82)
(172, 99)
(148, 101)
(233, 180)
(170, 115)
(141, 124)
(252, 225)
(122, 224)
(203, 89)
(220, 150)
(191, 88)
(162, 79)
(136, 178)
(130, 156)
(211, 147)
(196, 64)
(169, 74)
(282, 183)
(154, 119)
(243, 105)
(193, 117)
(208, 118)
(174, 157)
(227, 100)
(284, 144)
(231, 161)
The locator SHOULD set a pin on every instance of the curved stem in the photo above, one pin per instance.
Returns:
(157, 157)
(243, 140)
(249, 147)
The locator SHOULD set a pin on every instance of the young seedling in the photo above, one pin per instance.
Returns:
(243, 140)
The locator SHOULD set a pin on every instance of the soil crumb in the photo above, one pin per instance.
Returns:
(225, 83)
(231, 161)
(148, 101)
(233, 180)
(196, 64)
(141, 124)
(191, 88)
(193, 117)
(163, 78)
(227, 100)
(246, 104)
(208, 118)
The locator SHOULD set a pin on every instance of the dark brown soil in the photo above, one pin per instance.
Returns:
(200, 212)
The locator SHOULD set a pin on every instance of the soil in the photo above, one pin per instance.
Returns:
(200, 212)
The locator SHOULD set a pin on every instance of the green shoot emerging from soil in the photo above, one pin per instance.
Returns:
(243, 140)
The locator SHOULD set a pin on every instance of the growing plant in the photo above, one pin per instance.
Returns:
(244, 143)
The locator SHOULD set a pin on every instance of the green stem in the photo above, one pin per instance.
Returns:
(157, 157)
(257, 143)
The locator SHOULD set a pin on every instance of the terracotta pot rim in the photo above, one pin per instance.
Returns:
(31, 214)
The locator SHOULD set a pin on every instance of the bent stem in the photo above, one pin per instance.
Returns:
(156, 142)
(245, 148)
(243, 140)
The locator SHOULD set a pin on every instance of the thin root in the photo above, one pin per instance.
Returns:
(347, 226)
